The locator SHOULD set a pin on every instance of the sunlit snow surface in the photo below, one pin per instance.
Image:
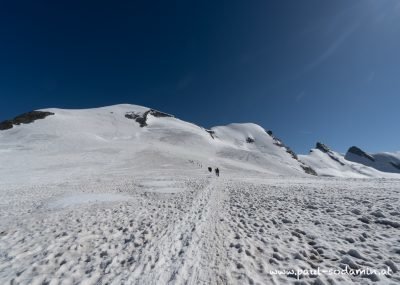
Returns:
(213, 231)
(99, 200)
(77, 199)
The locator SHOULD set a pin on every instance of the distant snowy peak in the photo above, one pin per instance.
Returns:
(386, 162)
(359, 152)
(327, 162)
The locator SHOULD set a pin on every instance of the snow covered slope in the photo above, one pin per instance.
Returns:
(75, 143)
(122, 195)
(330, 163)
(386, 161)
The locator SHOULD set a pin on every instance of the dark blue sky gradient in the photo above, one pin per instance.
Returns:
(310, 70)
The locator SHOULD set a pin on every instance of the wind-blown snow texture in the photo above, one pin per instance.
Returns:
(94, 197)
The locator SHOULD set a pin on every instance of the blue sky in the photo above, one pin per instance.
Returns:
(310, 70)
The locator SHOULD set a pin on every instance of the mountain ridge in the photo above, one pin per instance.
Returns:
(246, 147)
(384, 161)
(79, 142)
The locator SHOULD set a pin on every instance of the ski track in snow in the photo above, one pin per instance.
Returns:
(199, 230)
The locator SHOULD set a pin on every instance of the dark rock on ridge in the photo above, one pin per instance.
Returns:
(25, 118)
(279, 143)
(357, 151)
(322, 147)
(211, 133)
(141, 118)
(5, 125)
(159, 114)
(325, 149)
(307, 169)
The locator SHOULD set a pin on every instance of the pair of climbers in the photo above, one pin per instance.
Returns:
(216, 170)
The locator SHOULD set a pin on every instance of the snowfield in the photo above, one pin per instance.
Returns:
(95, 197)
(209, 231)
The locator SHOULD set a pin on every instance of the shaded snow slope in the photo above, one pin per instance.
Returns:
(74, 143)
(385, 161)
(330, 163)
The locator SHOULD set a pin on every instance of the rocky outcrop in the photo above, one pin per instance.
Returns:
(211, 133)
(141, 118)
(250, 140)
(325, 149)
(25, 118)
(279, 143)
(322, 147)
(307, 169)
(159, 114)
(5, 125)
(357, 151)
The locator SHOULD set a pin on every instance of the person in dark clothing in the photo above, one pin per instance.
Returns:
(217, 171)
(210, 169)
